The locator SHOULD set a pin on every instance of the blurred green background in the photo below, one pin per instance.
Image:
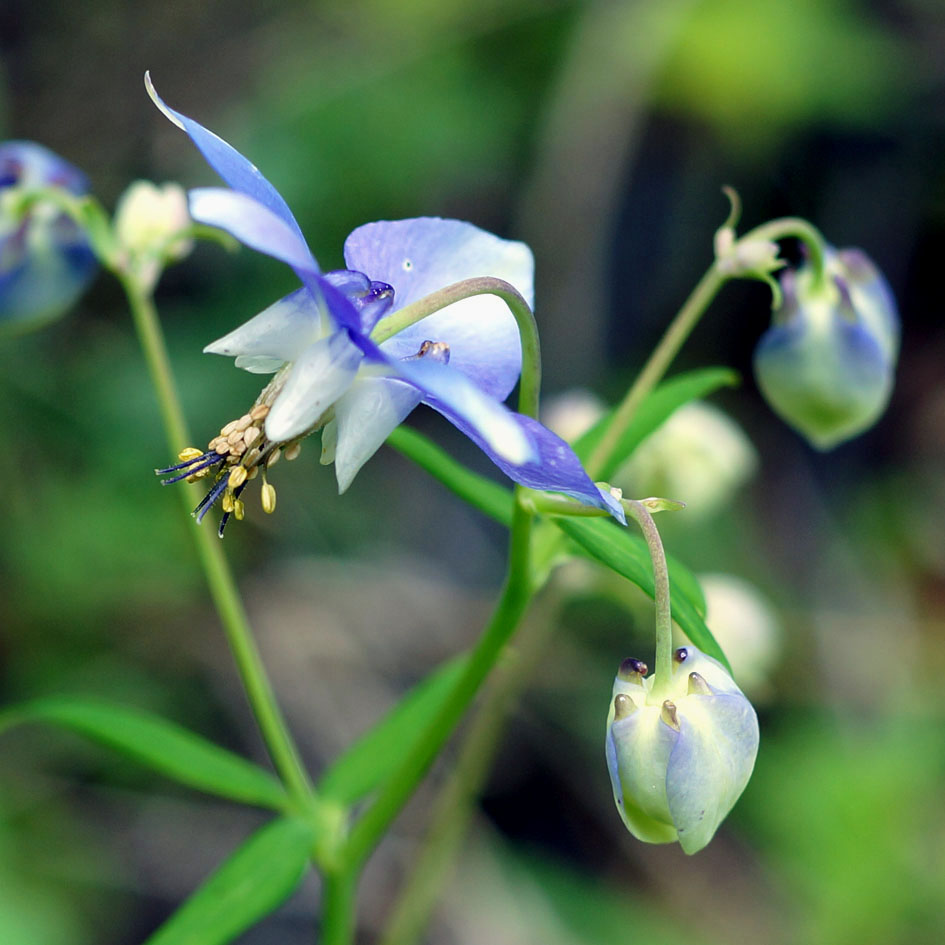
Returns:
(601, 133)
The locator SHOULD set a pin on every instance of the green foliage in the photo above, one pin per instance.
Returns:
(254, 881)
(157, 743)
(659, 405)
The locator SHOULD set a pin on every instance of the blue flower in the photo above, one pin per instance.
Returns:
(328, 374)
(679, 761)
(826, 365)
(45, 259)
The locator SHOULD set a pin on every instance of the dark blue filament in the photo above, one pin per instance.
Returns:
(194, 466)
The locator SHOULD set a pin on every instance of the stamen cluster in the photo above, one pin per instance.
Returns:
(234, 457)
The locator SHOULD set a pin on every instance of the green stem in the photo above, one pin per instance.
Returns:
(530, 383)
(338, 907)
(664, 619)
(657, 365)
(516, 594)
(282, 750)
(795, 228)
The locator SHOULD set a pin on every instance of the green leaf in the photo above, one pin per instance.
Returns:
(157, 743)
(253, 882)
(626, 553)
(481, 493)
(655, 410)
(365, 765)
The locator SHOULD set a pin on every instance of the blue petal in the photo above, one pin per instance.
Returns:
(422, 255)
(241, 174)
(252, 224)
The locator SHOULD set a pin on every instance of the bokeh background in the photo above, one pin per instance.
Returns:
(601, 133)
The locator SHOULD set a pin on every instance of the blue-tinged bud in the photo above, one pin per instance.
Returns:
(680, 758)
(45, 259)
(826, 364)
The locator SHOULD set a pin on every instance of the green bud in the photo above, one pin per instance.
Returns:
(679, 760)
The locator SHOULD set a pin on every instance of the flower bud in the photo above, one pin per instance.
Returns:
(45, 258)
(680, 758)
(826, 364)
(151, 224)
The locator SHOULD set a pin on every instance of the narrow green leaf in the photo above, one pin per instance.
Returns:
(481, 493)
(366, 764)
(253, 882)
(626, 553)
(658, 406)
(157, 743)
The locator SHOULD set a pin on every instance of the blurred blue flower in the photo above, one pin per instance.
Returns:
(680, 759)
(826, 364)
(462, 361)
(45, 259)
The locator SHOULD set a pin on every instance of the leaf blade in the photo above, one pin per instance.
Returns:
(655, 409)
(157, 743)
(256, 878)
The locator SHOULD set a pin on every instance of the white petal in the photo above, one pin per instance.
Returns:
(279, 333)
(366, 415)
(418, 257)
(318, 378)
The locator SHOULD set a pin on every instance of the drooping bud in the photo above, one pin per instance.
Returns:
(826, 364)
(45, 259)
(680, 759)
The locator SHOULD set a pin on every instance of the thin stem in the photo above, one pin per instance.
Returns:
(657, 365)
(282, 749)
(530, 383)
(664, 619)
(516, 594)
(338, 907)
(796, 228)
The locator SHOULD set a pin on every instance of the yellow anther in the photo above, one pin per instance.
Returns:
(237, 477)
(259, 412)
(191, 452)
(239, 447)
(239, 510)
(268, 498)
(235, 436)
(229, 428)
(227, 501)
(292, 451)
(245, 421)
(251, 435)
(222, 448)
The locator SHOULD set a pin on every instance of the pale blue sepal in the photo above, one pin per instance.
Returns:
(278, 333)
(252, 224)
(322, 373)
(364, 418)
(710, 764)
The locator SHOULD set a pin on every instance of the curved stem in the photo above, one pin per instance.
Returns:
(664, 619)
(657, 365)
(796, 228)
(223, 590)
(484, 285)
(516, 594)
